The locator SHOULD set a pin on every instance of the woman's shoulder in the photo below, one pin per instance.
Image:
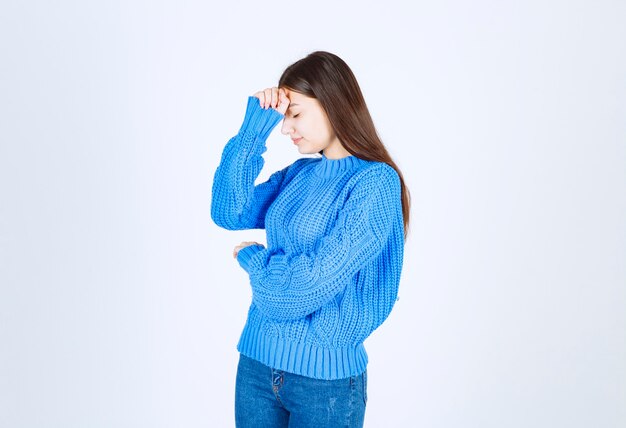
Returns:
(378, 171)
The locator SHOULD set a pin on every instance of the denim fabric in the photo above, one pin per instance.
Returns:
(270, 398)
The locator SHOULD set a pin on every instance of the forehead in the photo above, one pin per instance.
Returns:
(299, 99)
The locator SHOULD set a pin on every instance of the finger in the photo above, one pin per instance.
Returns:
(268, 97)
(283, 96)
(271, 102)
(261, 96)
(283, 102)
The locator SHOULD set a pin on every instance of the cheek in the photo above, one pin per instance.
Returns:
(302, 128)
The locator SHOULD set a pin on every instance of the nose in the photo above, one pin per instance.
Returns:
(286, 127)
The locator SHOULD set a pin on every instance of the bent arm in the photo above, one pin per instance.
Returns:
(289, 286)
(236, 203)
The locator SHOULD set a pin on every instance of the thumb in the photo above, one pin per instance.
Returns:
(283, 102)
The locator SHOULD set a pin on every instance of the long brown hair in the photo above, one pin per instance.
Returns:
(326, 77)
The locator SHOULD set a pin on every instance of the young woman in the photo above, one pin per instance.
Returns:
(335, 225)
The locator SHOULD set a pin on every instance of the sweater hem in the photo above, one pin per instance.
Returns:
(301, 358)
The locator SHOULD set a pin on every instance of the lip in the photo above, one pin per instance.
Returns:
(296, 140)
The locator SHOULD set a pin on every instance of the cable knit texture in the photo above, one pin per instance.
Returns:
(335, 242)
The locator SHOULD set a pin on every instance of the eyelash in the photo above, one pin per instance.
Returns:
(296, 115)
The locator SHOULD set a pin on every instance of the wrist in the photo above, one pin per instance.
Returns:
(246, 253)
(259, 120)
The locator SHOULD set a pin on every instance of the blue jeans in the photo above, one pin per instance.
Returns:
(269, 398)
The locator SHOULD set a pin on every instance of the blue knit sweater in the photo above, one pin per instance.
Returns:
(335, 243)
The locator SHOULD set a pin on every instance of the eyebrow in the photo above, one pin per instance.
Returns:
(293, 104)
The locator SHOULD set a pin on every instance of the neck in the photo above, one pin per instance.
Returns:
(328, 168)
(335, 150)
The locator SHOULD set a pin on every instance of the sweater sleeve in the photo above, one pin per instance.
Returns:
(288, 286)
(236, 203)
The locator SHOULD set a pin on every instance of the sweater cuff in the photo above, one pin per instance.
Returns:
(245, 254)
(259, 120)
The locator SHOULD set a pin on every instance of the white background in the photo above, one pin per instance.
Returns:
(120, 303)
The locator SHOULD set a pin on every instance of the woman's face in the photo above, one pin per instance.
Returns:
(306, 122)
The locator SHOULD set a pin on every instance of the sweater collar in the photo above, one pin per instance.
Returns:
(332, 167)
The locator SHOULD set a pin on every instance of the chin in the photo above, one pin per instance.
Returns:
(308, 150)
(303, 150)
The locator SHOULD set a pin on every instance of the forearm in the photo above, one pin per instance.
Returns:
(233, 190)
